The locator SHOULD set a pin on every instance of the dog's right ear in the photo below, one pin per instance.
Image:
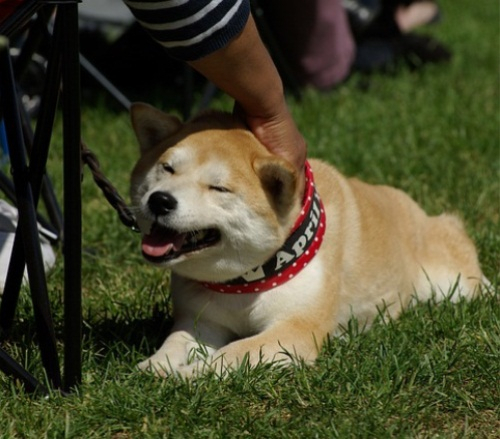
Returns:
(151, 125)
(279, 179)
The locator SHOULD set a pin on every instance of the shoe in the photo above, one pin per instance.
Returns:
(8, 225)
(417, 50)
(384, 55)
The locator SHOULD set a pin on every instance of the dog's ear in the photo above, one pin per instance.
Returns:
(151, 125)
(279, 179)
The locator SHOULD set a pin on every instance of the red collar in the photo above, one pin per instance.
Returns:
(297, 251)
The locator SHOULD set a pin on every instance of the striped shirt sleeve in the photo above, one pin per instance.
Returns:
(191, 29)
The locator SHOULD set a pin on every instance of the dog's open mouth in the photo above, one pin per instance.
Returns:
(163, 244)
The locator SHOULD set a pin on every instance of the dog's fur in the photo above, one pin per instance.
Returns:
(380, 249)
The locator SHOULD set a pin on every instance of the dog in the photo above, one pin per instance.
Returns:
(263, 269)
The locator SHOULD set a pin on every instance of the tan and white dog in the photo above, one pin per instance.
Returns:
(221, 212)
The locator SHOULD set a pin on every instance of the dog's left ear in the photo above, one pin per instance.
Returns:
(279, 179)
(151, 125)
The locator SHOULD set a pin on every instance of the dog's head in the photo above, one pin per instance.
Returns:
(211, 201)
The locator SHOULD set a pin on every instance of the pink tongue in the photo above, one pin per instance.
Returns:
(162, 242)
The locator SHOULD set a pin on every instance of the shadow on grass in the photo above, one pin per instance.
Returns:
(139, 334)
(104, 338)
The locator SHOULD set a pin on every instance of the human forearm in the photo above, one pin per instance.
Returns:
(245, 71)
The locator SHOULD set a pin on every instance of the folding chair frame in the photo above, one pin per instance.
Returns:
(63, 68)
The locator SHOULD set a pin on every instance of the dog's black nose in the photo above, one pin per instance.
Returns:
(161, 203)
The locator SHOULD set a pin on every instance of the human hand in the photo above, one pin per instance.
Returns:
(278, 133)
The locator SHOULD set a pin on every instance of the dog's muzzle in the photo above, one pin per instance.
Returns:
(162, 243)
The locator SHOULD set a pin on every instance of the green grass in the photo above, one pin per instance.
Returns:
(435, 372)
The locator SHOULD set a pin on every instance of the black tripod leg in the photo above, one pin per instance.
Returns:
(72, 197)
(11, 367)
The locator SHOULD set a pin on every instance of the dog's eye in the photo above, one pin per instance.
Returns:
(219, 189)
(168, 168)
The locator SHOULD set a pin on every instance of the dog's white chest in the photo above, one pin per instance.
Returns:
(251, 313)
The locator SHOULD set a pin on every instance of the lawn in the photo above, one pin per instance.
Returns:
(435, 372)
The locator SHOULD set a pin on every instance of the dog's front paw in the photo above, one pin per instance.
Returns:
(158, 368)
(196, 370)
(163, 369)
(207, 366)
(189, 371)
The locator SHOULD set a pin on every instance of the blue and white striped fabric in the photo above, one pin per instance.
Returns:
(191, 29)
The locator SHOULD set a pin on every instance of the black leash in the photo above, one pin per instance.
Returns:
(117, 202)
